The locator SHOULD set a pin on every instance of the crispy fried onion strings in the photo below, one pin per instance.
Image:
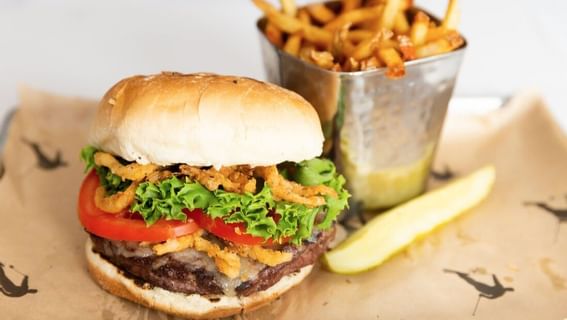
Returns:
(283, 189)
(227, 262)
(117, 202)
(121, 200)
(226, 259)
(159, 175)
(132, 171)
(233, 179)
(263, 255)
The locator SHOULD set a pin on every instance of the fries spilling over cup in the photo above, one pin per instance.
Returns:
(380, 74)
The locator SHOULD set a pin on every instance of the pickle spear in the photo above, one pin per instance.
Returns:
(393, 230)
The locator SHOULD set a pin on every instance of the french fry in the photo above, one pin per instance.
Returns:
(320, 13)
(351, 65)
(354, 16)
(432, 48)
(455, 40)
(280, 20)
(317, 35)
(349, 5)
(401, 24)
(341, 47)
(393, 61)
(293, 44)
(337, 67)
(388, 43)
(305, 52)
(273, 34)
(406, 4)
(348, 48)
(289, 7)
(370, 63)
(450, 41)
(406, 47)
(365, 48)
(389, 14)
(452, 16)
(435, 33)
(359, 35)
(264, 6)
(303, 16)
(323, 59)
(374, 2)
(419, 28)
(311, 33)
(283, 22)
(291, 25)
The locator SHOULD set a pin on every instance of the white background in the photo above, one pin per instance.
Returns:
(83, 47)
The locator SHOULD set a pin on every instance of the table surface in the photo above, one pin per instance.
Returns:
(82, 47)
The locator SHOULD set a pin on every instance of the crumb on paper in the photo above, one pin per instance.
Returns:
(557, 281)
(464, 237)
(513, 267)
(479, 270)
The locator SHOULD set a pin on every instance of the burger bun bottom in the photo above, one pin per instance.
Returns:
(193, 306)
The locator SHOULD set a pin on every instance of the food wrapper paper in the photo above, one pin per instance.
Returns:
(505, 259)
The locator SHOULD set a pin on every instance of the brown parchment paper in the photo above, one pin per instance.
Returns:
(507, 239)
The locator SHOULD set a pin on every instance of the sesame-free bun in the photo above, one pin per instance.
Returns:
(205, 119)
(192, 306)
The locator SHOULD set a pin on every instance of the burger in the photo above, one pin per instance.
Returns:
(204, 196)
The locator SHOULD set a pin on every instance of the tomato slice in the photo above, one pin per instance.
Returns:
(234, 232)
(124, 226)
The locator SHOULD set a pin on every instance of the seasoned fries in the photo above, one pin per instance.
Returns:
(366, 48)
(401, 24)
(289, 7)
(354, 17)
(292, 44)
(389, 14)
(406, 48)
(360, 35)
(393, 61)
(452, 16)
(349, 5)
(320, 12)
(341, 46)
(419, 28)
(273, 34)
(323, 59)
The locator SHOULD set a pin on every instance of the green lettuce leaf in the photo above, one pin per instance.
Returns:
(256, 211)
(87, 155)
(322, 171)
(111, 182)
(315, 172)
(167, 199)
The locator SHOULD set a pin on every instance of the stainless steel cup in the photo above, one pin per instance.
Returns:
(381, 132)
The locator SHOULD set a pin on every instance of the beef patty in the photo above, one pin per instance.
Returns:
(190, 271)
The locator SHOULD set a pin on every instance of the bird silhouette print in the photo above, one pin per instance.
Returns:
(43, 161)
(10, 289)
(446, 174)
(484, 290)
(559, 213)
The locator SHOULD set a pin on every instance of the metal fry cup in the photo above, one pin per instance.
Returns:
(381, 132)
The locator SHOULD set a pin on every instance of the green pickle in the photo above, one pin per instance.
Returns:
(386, 187)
